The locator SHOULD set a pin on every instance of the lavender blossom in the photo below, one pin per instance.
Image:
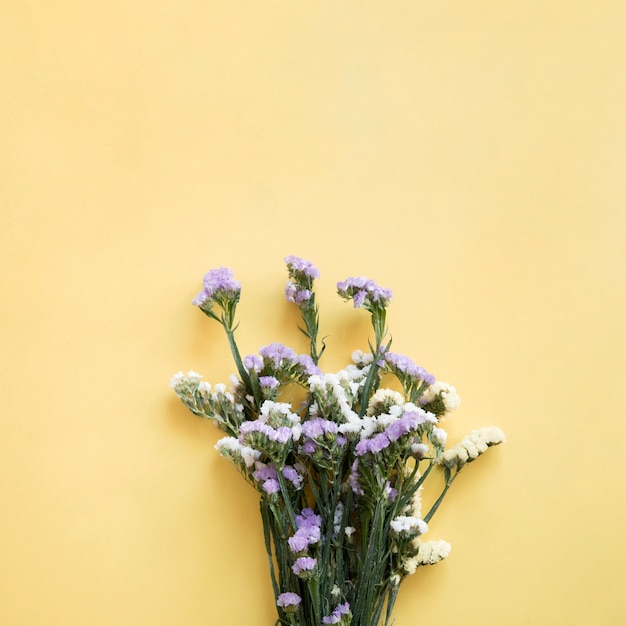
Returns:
(296, 295)
(297, 265)
(303, 566)
(400, 364)
(353, 479)
(271, 486)
(336, 616)
(268, 382)
(288, 600)
(364, 292)
(307, 364)
(219, 286)
(278, 354)
(253, 363)
(264, 472)
(293, 476)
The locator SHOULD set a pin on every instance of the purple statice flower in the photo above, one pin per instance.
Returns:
(271, 486)
(278, 354)
(298, 543)
(268, 382)
(339, 611)
(317, 427)
(297, 295)
(308, 532)
(313, 428)
(364, 293)
(219, 284)
(293, 476)
(376, 444)
(395, 430)
(296, 265)
(390, 492)
(404, 365)
(307, 518)
(281, 435)
(308, 448)
(303, 566)
(264, 472)
(363, 447)
(379, 442)
(304, 537)
(253, 363)
(307, 364)
(353, 479)
(288, 599)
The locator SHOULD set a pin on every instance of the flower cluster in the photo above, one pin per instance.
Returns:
(364, 293)
(338, 459)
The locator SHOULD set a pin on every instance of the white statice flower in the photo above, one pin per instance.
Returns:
(219, 388)
(419, 450)
(428, 553)
(232, 445)
(228, 443)
(408, 525)
(383, 399)
(449, 396)
(431, 552)
(362, 358)
(277, 410)
(351, 426)
(369, 425)
(190, 378)
(349, 530)
(438, 436)
(330, 392)
(472, 446)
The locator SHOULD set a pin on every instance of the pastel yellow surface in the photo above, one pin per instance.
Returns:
(470, 156)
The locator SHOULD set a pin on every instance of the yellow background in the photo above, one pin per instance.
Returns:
(468, 155)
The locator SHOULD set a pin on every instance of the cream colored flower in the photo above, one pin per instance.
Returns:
(472, 446)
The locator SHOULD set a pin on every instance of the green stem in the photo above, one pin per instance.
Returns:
(439, 500)
(251, 383)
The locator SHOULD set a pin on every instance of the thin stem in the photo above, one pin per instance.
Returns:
(439, 500)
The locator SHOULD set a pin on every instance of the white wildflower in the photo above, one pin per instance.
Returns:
(419, 450)
(408, 525)
(362, 358)
(230, 446)
(449, 395)
(431, 552)
(439, 436)
(472, 446)
(384, 398)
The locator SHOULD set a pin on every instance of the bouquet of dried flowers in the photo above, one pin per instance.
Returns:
(339, 465)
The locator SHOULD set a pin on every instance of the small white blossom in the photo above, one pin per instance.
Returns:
(439, 436)
(408, 525)
(449, 395)
(362, 358)
(431, 552)
(419, 450)
(472, 446)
